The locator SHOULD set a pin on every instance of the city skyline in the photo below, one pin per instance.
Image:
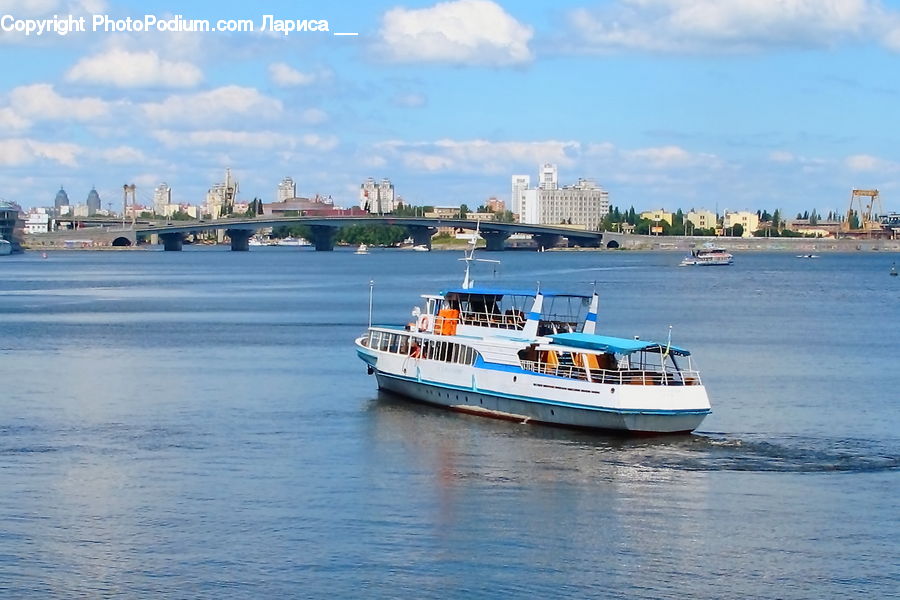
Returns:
(744, 105)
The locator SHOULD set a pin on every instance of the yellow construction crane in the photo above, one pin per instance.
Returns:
(867, 212)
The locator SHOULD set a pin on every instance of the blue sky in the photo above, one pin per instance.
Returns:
(732, 105)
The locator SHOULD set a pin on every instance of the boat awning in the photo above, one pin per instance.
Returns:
(512, 292)
(605, 343)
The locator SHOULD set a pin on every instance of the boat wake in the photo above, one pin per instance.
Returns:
(722, 452)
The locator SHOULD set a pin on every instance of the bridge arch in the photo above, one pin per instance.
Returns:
(612, 244)
(121, 241)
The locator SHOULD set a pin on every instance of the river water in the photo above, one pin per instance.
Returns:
(197, 425)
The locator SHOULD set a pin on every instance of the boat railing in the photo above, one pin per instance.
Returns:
(666, 376)
(510, 319)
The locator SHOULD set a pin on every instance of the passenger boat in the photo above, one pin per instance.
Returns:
(708, 255)
(534, 357)
(362, 249)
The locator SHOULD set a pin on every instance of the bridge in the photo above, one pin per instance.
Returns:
(324, 229)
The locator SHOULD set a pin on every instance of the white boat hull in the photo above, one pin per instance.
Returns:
(533, 398)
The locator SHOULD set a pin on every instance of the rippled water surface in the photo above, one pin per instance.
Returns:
(197, 424)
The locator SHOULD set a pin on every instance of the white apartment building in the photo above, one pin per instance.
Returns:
(37, 221)
(520, 184)
(549, 177)
(583, 204)
(377, 197)
(287, 190)
(221, 196)
(162, 198)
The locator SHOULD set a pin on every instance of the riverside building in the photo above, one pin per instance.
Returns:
(583, 204)
(377, 197)
(286, 190)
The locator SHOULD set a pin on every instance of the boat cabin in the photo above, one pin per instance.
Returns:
(467, 310)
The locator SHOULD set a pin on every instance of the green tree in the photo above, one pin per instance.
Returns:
(463, 211)
(776, 220)
(678, 225)
(737, 230)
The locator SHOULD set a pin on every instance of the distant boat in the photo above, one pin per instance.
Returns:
(893, 270)
(421, 248)
(5, 247)
(292, 241)
(708, 255)
(807, 256)
(362, 249)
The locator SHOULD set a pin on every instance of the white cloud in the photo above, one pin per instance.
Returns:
(781, 156)
(10, 120)
(41, 102)
(480, 156)
(123, 155)
(314, 116)
(126, 69)
(284, 75)
(695, 26)
(465, 32)
(665, 157)
(869, 163)
(220, 104)
(18, 152)
(411, 100)
(224, 138)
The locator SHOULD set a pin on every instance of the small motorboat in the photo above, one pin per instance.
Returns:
(363, 249)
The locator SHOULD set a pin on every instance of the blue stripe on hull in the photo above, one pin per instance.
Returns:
(491, 405)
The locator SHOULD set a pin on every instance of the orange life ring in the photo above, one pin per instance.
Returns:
(424, 323)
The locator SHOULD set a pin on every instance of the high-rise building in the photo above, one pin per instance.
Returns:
(162, 198)
(520, 183)
(62, 199)
(287, 190)
(583, 204)
(221, 196)
(377, 198)
(93, 202)
(549, 177)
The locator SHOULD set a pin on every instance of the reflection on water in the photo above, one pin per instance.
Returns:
(596, 455)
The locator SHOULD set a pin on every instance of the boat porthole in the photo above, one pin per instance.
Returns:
(612, 390)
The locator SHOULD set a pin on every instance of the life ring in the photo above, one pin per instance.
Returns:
(424, 322)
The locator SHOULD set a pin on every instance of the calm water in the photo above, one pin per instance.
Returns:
(197, 424)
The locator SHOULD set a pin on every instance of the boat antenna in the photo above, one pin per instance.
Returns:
(668, 343)
(371, 294)
(469, 256)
